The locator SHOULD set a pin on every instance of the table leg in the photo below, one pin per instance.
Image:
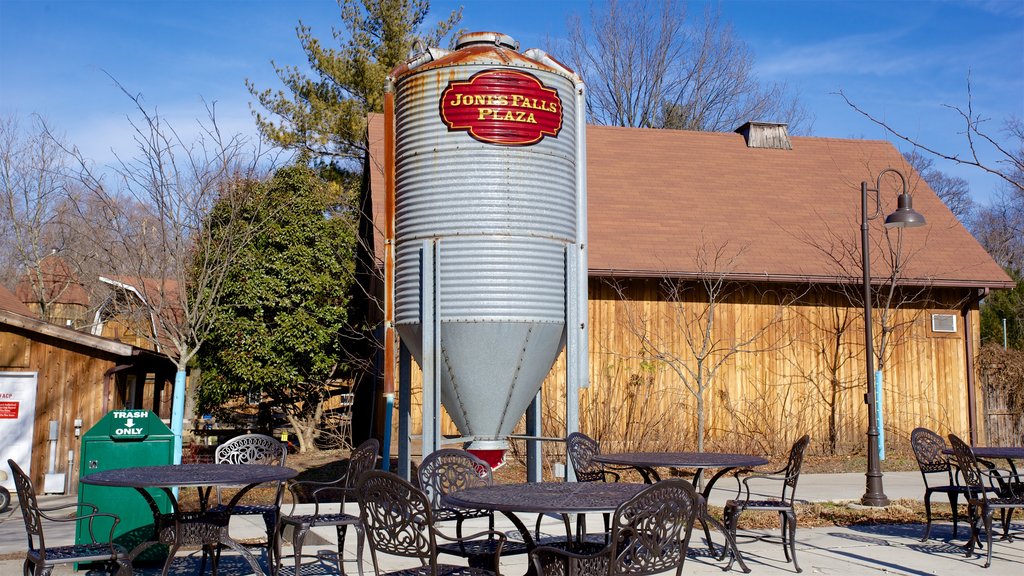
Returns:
(705, 518)
(650, 475)
(230, 542)
(180, 534)
(523, 530)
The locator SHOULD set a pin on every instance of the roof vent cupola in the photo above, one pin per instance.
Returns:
(773, 135)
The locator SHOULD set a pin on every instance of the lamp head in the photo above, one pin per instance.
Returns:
(905, 216)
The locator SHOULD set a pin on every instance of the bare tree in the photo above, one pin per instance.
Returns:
(1000, 229)
(684, 336)
(831, 330)
(156, 208)
(648, 65)
(1002, 157)
(34, 186)
(890, 292)
(954, 191)
(896, 305)
(1000, 226)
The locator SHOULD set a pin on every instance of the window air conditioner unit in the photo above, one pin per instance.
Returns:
(944, 323)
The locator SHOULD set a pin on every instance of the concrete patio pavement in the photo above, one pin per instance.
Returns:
(883, 549)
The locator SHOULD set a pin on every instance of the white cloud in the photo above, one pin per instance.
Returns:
(860, 54)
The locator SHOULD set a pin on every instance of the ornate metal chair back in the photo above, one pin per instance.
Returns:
(449, 470)
(650, 534)
(251, 449)
(651, 531)
(361, 460)
(928, 447)
(968, 465)
(796, 461)
(396, 517)
(582, 449)
(29, 507)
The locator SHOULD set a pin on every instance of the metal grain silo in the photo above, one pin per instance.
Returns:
(488, 226)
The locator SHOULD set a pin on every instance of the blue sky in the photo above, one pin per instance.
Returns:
(902, 61)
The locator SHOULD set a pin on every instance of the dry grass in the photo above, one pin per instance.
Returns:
(821, 514)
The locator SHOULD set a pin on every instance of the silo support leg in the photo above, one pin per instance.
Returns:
(534, 453)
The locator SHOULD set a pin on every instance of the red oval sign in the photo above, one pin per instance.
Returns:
(502, 107)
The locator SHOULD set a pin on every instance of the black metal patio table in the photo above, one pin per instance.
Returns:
(203, 527)
(646, 463)
(1008, 453)
(562, 498)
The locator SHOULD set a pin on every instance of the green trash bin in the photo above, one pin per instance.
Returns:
(125, 439)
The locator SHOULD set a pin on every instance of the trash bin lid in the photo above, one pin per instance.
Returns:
(130, 425)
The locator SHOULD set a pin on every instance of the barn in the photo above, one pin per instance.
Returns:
(52, 373)
(726, 292)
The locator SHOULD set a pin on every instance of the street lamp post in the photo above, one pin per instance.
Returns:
(903, 217)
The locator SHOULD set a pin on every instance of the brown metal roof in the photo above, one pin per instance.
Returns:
(655, 196)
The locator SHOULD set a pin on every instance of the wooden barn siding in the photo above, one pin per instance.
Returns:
(128, 332)
(759, 401)
(69, 386)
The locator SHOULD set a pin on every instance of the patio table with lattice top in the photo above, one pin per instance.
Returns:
(206, 527)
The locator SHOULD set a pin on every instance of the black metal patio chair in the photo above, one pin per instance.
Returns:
(981, 502)
(649, 534)
(399, 521)
(362, 459)
(449, 470)
(254, 449)
(582, 449)
(784, 505)
(40, 558)
(933, 463)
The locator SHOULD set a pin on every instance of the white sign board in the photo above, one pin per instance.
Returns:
(17, 420)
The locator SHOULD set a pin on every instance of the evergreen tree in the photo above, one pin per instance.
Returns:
(277, 331)
(1004, 304)
(323, 114)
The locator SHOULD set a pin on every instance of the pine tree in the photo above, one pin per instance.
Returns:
(323, 115)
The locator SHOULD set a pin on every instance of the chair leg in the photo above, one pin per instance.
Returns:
(124, 567)
(216, 558)
(928, 513)
(784, 521)
(972, 518)
(297, 539)
(202, 562)
(360, 539)
(170, 558)
(342, 529)
(954, 505)
(707, 532)
(270, 521)
(731, 517)
(730, 546)
(791, 553)
(988, 535)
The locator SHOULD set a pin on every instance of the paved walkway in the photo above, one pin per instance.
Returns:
(886, 549)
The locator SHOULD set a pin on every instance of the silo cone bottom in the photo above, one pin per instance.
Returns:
(490, 451)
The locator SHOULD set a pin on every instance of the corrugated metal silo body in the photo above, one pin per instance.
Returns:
(486, 165)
